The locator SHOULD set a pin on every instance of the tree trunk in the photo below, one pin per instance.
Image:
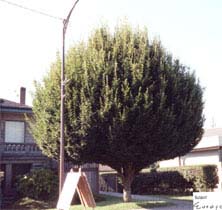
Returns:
(127, 181)
(127, 174)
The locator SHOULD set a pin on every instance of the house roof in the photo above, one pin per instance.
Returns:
(11, 106)
(212, 132)
(105, 168)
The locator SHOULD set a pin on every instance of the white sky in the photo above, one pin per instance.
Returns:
(190, 29)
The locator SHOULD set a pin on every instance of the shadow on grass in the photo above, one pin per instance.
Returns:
(103, 202)
(28, 203)
(153, 204)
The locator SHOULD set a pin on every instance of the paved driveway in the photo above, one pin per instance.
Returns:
(178, 205)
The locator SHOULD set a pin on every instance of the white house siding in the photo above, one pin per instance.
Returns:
(169, 163)
(208, 141)
(197, 158)
(200, 158)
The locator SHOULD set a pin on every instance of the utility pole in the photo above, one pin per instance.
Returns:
(65, 24)
(61, 158)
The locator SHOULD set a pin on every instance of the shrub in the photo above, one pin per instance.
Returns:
(203, 177)
(38, 184)
(175, 180)
(161, 182)
(210, 176)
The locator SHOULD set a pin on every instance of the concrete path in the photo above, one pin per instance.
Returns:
(177, 204)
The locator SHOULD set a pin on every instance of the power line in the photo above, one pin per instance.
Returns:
(32, 10)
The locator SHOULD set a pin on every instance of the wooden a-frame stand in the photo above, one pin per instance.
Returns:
(76, 181)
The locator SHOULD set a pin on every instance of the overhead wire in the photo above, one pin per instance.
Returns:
(32, 10)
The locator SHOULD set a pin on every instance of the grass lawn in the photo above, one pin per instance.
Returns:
(28, 203)
(114, 203)
(183, 198)
(106, 203)
(175, 197)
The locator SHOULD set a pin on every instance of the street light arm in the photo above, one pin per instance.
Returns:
(66, 21)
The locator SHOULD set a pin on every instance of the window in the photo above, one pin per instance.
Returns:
(14, 131)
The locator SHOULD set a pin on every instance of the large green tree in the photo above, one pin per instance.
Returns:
(128, 104)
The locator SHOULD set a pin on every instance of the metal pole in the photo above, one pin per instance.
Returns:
(61, 162)
(61, 158)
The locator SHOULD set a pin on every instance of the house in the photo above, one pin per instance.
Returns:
(208, 151)
(18, 151)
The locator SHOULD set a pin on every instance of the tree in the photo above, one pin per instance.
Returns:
(128, 104)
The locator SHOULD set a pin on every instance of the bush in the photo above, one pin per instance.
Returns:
(175, 180)
(38, 184)
(203, 177)
(161, 183)
(210, 176)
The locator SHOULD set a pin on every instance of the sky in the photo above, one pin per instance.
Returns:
(189, 29)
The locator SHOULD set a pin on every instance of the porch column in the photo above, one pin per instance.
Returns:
(1, 178)
(219, 167)
(8, 178)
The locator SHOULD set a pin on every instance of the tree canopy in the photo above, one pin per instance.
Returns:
(128, 103)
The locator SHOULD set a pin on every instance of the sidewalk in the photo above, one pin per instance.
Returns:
(178, 204)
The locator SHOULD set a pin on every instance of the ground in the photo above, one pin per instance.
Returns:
(177, 204)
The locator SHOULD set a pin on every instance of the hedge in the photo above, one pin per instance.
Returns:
(176, 180)
(164, 182)
(204, 177)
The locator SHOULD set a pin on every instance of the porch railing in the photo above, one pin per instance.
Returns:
(18, 147)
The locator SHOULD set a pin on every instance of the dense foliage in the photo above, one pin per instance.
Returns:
(128, 103)
(165, 182)
(38, 184)
(176, 180)
(204, 177)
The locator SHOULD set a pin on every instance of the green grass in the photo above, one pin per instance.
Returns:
(28, 203)
(183, 198)
(174, 197)
(114, 203)
(105, 203)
